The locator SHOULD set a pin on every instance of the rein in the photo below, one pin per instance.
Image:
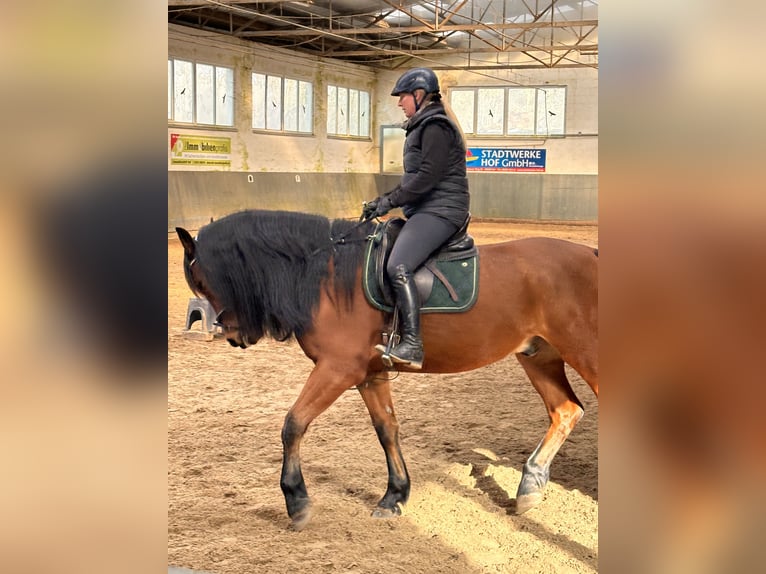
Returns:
(341, 240)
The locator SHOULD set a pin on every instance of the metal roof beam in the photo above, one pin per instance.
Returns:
(416, 29)
(449, 51)
(190, 3)
(403, 9)
(470, 67)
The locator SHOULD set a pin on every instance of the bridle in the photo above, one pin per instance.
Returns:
(218, 322)
(341, 239)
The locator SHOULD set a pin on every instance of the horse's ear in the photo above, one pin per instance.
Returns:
(190, 247)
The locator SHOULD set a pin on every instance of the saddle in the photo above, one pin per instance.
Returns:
(448, 282)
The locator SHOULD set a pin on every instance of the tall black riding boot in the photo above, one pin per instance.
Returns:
(410, 348)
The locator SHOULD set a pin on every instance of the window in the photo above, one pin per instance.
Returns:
(200, 93)
(348, 112)
(282, 104)
(513, 111)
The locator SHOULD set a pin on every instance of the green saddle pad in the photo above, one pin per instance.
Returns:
(462, 275)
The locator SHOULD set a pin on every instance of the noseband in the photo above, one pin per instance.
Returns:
(218, 322)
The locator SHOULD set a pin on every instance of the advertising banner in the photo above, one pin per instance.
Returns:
(505, 159)
(200, 150)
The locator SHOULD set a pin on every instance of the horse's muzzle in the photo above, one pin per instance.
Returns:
(236, 343)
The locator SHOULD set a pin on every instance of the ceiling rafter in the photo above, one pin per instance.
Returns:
(409, 13)
(421, 29)
(432, 52)
(475, 35)
(579, 46)
(192, 3)
(452, 12)
(390, 33)
(535, 18)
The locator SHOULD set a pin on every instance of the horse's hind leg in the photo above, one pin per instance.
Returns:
(376, 393)
(546, 371)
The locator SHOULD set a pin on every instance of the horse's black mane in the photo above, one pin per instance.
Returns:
(268, 267)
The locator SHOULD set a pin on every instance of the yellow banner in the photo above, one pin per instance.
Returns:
(199, 150)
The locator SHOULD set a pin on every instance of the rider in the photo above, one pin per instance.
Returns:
(433, 194)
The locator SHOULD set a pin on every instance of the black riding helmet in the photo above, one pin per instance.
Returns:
(414, 79)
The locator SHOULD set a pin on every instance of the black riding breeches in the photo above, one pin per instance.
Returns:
(421, 235)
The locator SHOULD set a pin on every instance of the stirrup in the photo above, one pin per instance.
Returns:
(411, 364)
(390, 340)
(390, 360)
(384, 356)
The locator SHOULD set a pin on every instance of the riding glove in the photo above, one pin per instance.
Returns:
(376, 208)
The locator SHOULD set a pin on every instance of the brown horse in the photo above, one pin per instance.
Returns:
(284, 274)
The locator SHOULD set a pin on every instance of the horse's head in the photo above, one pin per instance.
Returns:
(198, 283)
(263, 271)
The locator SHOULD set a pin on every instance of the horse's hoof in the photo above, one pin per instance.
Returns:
(525, 502)
(381, 512)
(301, 518)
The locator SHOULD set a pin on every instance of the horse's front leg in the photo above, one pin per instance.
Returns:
(291, 481)
(376, 392)
(322, 388)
